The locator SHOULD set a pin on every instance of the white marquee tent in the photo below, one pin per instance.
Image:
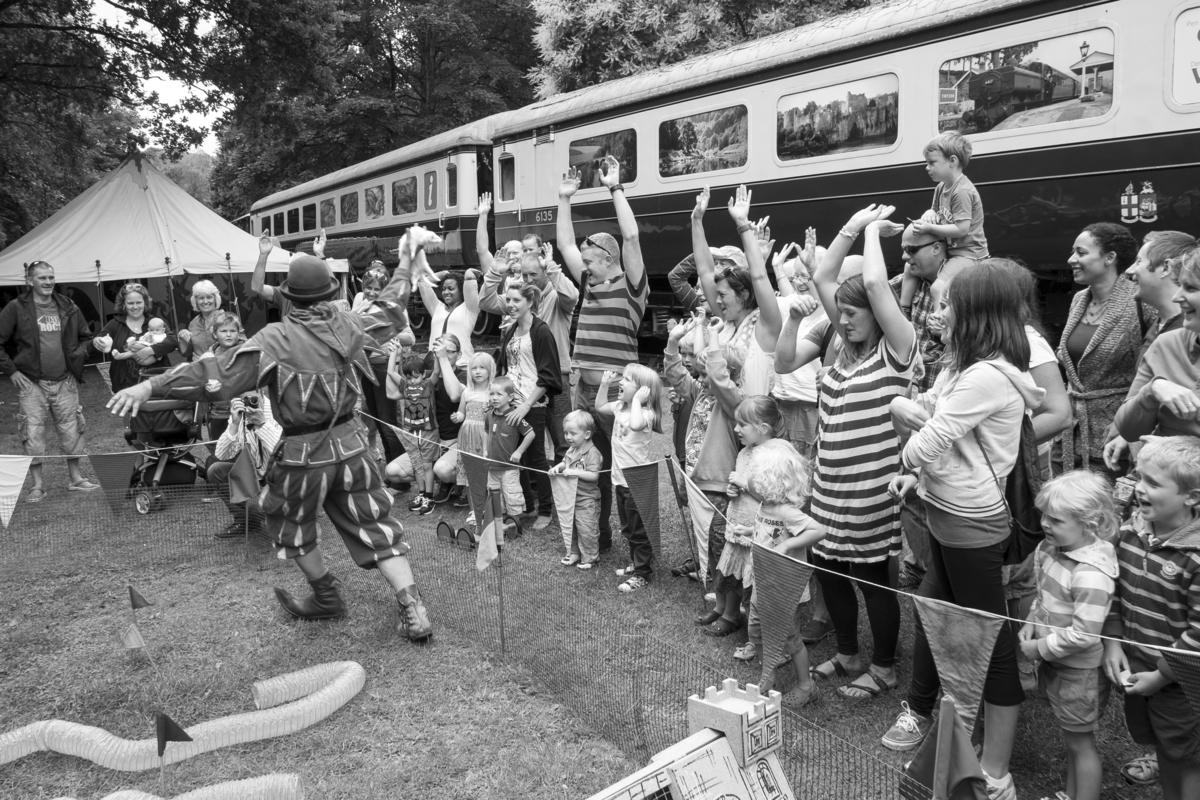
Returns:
(138, 224)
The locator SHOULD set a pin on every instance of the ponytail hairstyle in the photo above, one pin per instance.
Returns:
(760, 409)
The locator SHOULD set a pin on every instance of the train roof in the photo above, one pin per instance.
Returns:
(478, 133)
(864, 26)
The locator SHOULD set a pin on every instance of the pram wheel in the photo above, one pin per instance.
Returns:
(143, 501)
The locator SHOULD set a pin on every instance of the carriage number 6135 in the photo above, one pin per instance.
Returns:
(544, 216)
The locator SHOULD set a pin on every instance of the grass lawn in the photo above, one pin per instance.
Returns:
(589, 682)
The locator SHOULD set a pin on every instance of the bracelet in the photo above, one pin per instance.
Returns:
(745, 227)
(614, 188)
(849, 234)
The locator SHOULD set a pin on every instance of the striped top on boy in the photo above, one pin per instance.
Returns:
(609, 318)
(858, 453)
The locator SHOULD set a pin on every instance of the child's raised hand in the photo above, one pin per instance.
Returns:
(642, 395)
(801, 306)
(608, 377)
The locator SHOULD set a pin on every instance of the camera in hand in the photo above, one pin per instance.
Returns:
(251, 401)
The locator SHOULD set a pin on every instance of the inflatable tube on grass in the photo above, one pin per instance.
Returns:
(277, 786)
(310, 696)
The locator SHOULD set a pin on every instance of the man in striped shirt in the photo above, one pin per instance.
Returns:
(614, 299)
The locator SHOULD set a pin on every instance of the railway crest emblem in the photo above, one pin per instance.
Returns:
(1139, 206)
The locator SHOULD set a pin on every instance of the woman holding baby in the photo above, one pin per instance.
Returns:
(135, 340)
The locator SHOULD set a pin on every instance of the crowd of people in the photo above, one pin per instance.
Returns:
(850, 420)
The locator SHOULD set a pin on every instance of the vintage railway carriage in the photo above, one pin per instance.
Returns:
(1098, 121)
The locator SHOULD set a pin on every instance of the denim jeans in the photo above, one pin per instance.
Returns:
(44, 402)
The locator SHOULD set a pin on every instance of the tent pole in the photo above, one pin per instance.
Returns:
(99, 295)
(171, 294)
(232, 285)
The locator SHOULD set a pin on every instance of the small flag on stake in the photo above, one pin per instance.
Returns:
(1186, 667)
(136, 600)
(491, 532)
(643, 486)
(168, 731)
(961, 641)
(12, 478)
(132, 639)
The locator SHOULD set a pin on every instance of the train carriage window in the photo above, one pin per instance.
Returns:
(451, 185)
(1185, 61)
(836, 119)
(349, 208)
(707, 142)
(404, 196)
(373, 195)
(277, 223)
(293, 220)
(508, 177)
(586, 155)
(308, 216)
(328, 213)
(1033, 83)
(429, 182)
(265, 223)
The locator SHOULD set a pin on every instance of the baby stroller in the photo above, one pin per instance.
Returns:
(163, 431)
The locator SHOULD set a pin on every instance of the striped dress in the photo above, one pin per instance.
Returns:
(858, 453)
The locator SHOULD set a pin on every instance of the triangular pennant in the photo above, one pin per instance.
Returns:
(476, 469)
(329, 382)
(491, 531)
(1186, 667)
(779, 585)
(681, 499)
(962, 641)
(563, 487)
(945, 766)
(136, 600)
(103, 368)
(115, 472)
(167, 730)
(132, 638)
(243, 479)
(308, 382)
(643, 487)
(701, 511)
(12, 478)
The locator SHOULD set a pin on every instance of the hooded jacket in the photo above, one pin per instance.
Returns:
(1074, 593)
(975, 411)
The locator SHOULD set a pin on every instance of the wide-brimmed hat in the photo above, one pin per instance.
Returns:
(309, 280)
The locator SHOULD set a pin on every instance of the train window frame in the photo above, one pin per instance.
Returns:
(292, 220)
(1022, 34)
(264, 225)
(1170, 46)
(331, 204)
(606, 129)
(277, 223)
(822, 82)
(380, 192)
(308, 216)
(343, 205)
(416, 206)
(707, 109)
(451, 185)
(511, 160)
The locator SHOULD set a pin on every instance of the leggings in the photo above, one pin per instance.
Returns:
(969, 577)
(883, 609)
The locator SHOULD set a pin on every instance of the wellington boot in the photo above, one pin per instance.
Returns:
(414, 619)
(324, 603)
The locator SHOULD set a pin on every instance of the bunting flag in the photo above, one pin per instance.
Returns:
(962, 641)
(681, 500)
(477, 475)
(167, 730)
(491, 531)
(643, 486)
(243, 479)
(103, 368)
(780, 582)
(1186, 667)
(563, 488)
(12, 478)
(132, 638)
(136, 600)
(945, 763)
(115, 472)
(700, 511)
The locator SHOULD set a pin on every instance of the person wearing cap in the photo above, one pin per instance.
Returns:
(614, 288)
(50, 339)
(311, 366)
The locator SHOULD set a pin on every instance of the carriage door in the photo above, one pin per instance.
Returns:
(543, 202)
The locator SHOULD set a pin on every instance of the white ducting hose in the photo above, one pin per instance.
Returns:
(277, 786)
(310, 695)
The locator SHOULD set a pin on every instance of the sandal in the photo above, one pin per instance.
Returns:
(722, 627)
(866, 686)
(799, 699)
(828, 670)
(1141, 771)
(35, 495)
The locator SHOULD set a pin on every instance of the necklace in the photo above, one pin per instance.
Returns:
(1094, 311)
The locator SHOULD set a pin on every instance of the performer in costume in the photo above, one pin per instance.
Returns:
(312, 364)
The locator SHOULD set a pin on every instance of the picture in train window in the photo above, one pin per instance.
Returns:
(277, 224)
(451, 185)
(837, 119)
(328, 213)
(373, 195)
(508, 177)
(430, 190)
(349, 208)
(1035, 83)
(309, 216)
(1185, 60)
(586, 155)
(705, 142)
(404, 196)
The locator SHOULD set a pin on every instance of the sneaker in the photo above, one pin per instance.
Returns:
(442, 495)
(235, 530)
(624, 572)
(908, 730)
(1001, 788)
(569, 560)
(417, 502)
(462, 499)
(632, 584)
(587, 564)
(1057, 795)
(747, 652)
(710, 597)
(426, 506)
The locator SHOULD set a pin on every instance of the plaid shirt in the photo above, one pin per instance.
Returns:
(929, 345)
